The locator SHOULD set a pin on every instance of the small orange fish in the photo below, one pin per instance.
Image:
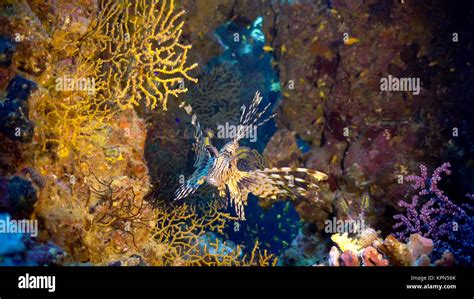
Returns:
(351, 41)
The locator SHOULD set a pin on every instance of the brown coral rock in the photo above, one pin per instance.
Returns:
(398, 252)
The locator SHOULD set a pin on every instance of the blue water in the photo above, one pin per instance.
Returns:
(243, 49)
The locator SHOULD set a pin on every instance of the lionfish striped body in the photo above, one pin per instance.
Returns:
(220, 168)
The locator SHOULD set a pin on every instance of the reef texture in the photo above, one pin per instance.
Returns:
(95, 165)
(82, 173)
(368, 249)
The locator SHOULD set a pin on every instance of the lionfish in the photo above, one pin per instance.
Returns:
(222, 170)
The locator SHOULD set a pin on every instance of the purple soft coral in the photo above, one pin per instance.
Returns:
(430, 212)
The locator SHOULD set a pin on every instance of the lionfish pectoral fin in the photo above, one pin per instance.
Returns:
(273, 183)
(320, 176)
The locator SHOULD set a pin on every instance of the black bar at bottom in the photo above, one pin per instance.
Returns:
(182, 282)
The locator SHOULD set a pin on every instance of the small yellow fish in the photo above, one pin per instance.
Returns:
(351, 41)
(342, 204)
(284, 243)
(268, 49)
(365, 201)
(283, 49)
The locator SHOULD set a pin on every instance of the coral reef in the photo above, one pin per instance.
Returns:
(432, 214)
(345, 243)
(349, 259)
(368, 249)
(216, 97)
(99, 202)
(93, 141)
(65, 126)
(371, 257)
(185, 238)
(307, 248)
(89, 76)
(135, 51)
(14, 110)
(17, 196)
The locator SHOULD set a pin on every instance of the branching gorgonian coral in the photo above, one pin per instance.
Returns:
(216, 98)
(136, 52)
(180, 235)
(433, 215)
(131, 54)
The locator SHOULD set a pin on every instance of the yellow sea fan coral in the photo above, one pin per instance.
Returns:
(179, 233)
(136, 51)
(130, 53)
(67, 123)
